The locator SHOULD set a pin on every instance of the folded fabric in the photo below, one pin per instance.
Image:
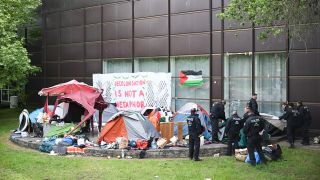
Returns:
(72, 149)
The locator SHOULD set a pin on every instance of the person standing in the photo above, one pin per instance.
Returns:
(306, 119)
(217, 113)
(292, 116)
(195, 130)
(253, 129)
(253, 104)
(234, 124)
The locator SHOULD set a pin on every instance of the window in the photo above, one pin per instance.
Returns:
(151, 65)
(182, 95)
(117, 66)
(237, 81)
(269, 79)
(5, 94)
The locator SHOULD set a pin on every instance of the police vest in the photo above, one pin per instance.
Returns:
(235, 124)
(255, 126)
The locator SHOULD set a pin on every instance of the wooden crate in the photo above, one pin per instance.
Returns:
(166, 130)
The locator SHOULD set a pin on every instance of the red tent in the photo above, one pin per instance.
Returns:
(87, 96)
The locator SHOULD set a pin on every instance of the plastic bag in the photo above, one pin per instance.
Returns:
(123, 143)
(161, 142)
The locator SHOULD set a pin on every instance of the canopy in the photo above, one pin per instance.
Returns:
(66, 88)
(88, 97)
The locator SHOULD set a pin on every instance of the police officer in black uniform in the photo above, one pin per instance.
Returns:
(292, 116)
(234, 124)
(306, 119)
(253, 104)
(217, 113)
(253, 129)
(195, 130)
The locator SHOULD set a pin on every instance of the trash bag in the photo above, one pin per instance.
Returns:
(142, 154)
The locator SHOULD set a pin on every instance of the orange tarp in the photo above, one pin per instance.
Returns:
(154, 117)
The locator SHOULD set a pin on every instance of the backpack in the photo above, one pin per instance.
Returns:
(142, 144)
(38, 130)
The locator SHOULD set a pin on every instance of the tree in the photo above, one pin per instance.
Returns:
(15, 65)
(299, 16)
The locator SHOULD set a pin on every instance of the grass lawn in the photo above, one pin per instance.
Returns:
(20, 163)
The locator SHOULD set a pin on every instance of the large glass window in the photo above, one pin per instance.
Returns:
(237, 81)
(270, 81)
(117, 66)
(151, 64)
(182, 95)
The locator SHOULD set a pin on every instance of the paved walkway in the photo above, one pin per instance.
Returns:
(298, 145)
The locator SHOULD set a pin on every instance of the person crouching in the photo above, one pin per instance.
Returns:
(195, 130)
(233, 127)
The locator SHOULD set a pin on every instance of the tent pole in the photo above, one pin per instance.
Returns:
(92, 128)
(78, 125)
(46, 104)
(100, 120)
(55, 105)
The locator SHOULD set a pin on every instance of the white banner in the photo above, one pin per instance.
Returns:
(134, 91)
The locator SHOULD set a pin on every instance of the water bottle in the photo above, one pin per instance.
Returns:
(122, 154)
(154, 144)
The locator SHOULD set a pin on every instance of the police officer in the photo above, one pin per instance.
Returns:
(217, 113)
(306, 119)
(292, 116)
(253, 104)
(253, 129)
(195, 130)
(234, 124)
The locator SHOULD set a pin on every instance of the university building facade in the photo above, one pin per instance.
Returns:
(83, 37)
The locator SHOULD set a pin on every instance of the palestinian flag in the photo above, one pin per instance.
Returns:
(191, 78)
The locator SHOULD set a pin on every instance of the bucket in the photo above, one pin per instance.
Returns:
(13, 102)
